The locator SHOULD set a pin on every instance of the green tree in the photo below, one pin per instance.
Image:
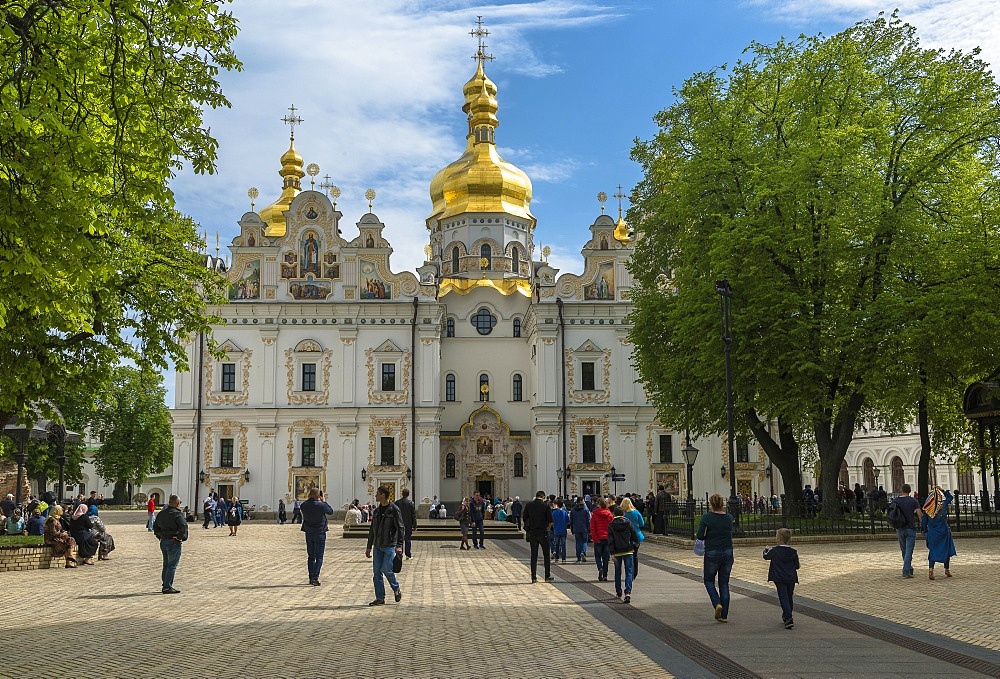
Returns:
(133, 424)
(848, 186)
(102, 103)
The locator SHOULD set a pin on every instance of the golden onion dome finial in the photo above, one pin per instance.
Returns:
(291, 174)
(621, 228)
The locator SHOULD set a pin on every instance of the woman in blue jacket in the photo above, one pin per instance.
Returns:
(635, 518)
(934, 524)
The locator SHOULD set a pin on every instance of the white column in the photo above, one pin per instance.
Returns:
(348, 361)
(268, 367)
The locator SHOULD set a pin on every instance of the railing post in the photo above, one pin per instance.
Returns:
(871, 516)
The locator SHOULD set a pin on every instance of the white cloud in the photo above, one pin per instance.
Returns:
(960, 24)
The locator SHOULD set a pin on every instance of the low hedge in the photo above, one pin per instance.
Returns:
(21, 540)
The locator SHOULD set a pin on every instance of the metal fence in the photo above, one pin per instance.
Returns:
(762, 520)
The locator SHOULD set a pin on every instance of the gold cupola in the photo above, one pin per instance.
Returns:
(291, 174)
(481, 181)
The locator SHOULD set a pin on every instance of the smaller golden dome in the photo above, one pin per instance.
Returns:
(622, 231)
(291, 174)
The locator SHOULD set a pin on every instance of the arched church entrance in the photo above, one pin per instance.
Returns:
(484, 452)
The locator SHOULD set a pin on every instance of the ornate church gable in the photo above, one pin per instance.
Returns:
(230, 347)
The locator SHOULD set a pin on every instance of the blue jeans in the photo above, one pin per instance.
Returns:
(149, 521)
(623, 562)
(382, 566)
(718, 565)
(560, 547)
(601, 556)
(581, 545)
(785, 592)
(171, 550)
(906, 536)
(315, 548)
(477, 525)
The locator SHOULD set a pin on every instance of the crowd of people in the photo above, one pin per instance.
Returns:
(220, 511)
(75, 532)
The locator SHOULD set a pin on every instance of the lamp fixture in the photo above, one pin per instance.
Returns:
(201, 476)
(409, 474)
(768, 470)
(246, 476)
(723, 471)
(364, 474)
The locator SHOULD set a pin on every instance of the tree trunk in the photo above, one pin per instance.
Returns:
(783, 454)
(833, 437)
(923, 465)
(119, 493)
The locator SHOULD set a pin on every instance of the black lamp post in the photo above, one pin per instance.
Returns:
(20, 436)
(690, 454)
(559, 475)
(725, 297)
(614, 480)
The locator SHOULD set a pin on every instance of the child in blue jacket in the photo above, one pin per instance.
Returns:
(783, 572)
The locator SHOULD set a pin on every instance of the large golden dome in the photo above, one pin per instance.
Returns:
(481, 181)
(291, 174)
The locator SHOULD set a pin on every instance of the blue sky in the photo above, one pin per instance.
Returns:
(378, 85)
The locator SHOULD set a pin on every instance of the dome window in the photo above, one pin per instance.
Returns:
(454, 260)
(486, 253)
(515, 255)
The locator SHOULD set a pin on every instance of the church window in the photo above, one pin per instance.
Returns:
(517, 327)
(486, 252)
(742, 450)
(387, 451)
(449, 387)
(450, 328)
(518, 465)
(484, 321)
(515, 255)
(226, 452)
(228, 377)
(589, 449)
(308, 452)
(388, 377)
(666, 449)
(516, 391)
(484, 381)
(449, 466)
(587, 376)
(454, 260)
(308, 377)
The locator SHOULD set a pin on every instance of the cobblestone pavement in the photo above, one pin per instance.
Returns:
(867, 577)
(246, 610)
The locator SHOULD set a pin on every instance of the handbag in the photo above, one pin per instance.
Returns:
(397, 563)
(699, 548)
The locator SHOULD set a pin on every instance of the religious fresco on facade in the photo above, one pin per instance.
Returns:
(310, 288)
(603, 286)
(251, 239)
(332, 268)
(484, 445)
(671, 482)
(311, 213)
(372, 285)
(303, 484)
(310, 255)
(289, 267)
(248, 285)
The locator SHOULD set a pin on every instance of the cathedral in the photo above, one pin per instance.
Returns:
(485, 369)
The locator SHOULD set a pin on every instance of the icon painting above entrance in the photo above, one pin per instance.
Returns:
(488, 456)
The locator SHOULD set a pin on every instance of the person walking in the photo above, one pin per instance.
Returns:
(579, 519)
(313, 516)
(235, 517)
(600, 519)
(716, 529)
(907, 535)
(934, 525)
(297, 511)
(408, 510)
(634, 516)
(783, 572)
(282, 514)
(560, 526)
(171, 529)
(477, 513)
(150, 511)
(623, 540)
(209, 509)
(462, 516)
(385, 536)
(537, 524)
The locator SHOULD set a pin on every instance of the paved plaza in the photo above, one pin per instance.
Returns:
(246, 610)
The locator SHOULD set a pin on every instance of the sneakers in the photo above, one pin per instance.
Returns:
(619, 595)
(398, 594)
(377, 602)
(723, 619)
(628, 598)
(170, 590)
(549, 578)
(907, 575)
(584, 557)
(789, 624)
(718, 612)
(314, 583)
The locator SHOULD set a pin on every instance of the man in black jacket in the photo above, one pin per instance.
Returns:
(385, 535)
(171, 529)
(537, 524)
(409, 513)
(314, 512)
(662, 499)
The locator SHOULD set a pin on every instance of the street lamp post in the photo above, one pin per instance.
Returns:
(690, 454)
(614, 480)
(725, 297)
(559, 476)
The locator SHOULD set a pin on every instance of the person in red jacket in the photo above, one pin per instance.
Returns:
(600, 519)
(151, 510)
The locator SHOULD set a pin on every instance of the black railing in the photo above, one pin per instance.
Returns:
(808, 518)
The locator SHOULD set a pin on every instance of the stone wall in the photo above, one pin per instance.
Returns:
(29, 559)
(8, 480)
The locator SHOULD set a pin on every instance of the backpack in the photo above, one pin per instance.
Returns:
(619, 540)
(895, 517)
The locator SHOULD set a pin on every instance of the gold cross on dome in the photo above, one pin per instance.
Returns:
(292, 120)
(619, 196)
(479, 32)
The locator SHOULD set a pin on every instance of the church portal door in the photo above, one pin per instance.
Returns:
(484, 484)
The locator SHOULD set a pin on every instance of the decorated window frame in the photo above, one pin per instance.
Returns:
(233, 354)
(589, 352)
(388, 354)
(308, 351)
